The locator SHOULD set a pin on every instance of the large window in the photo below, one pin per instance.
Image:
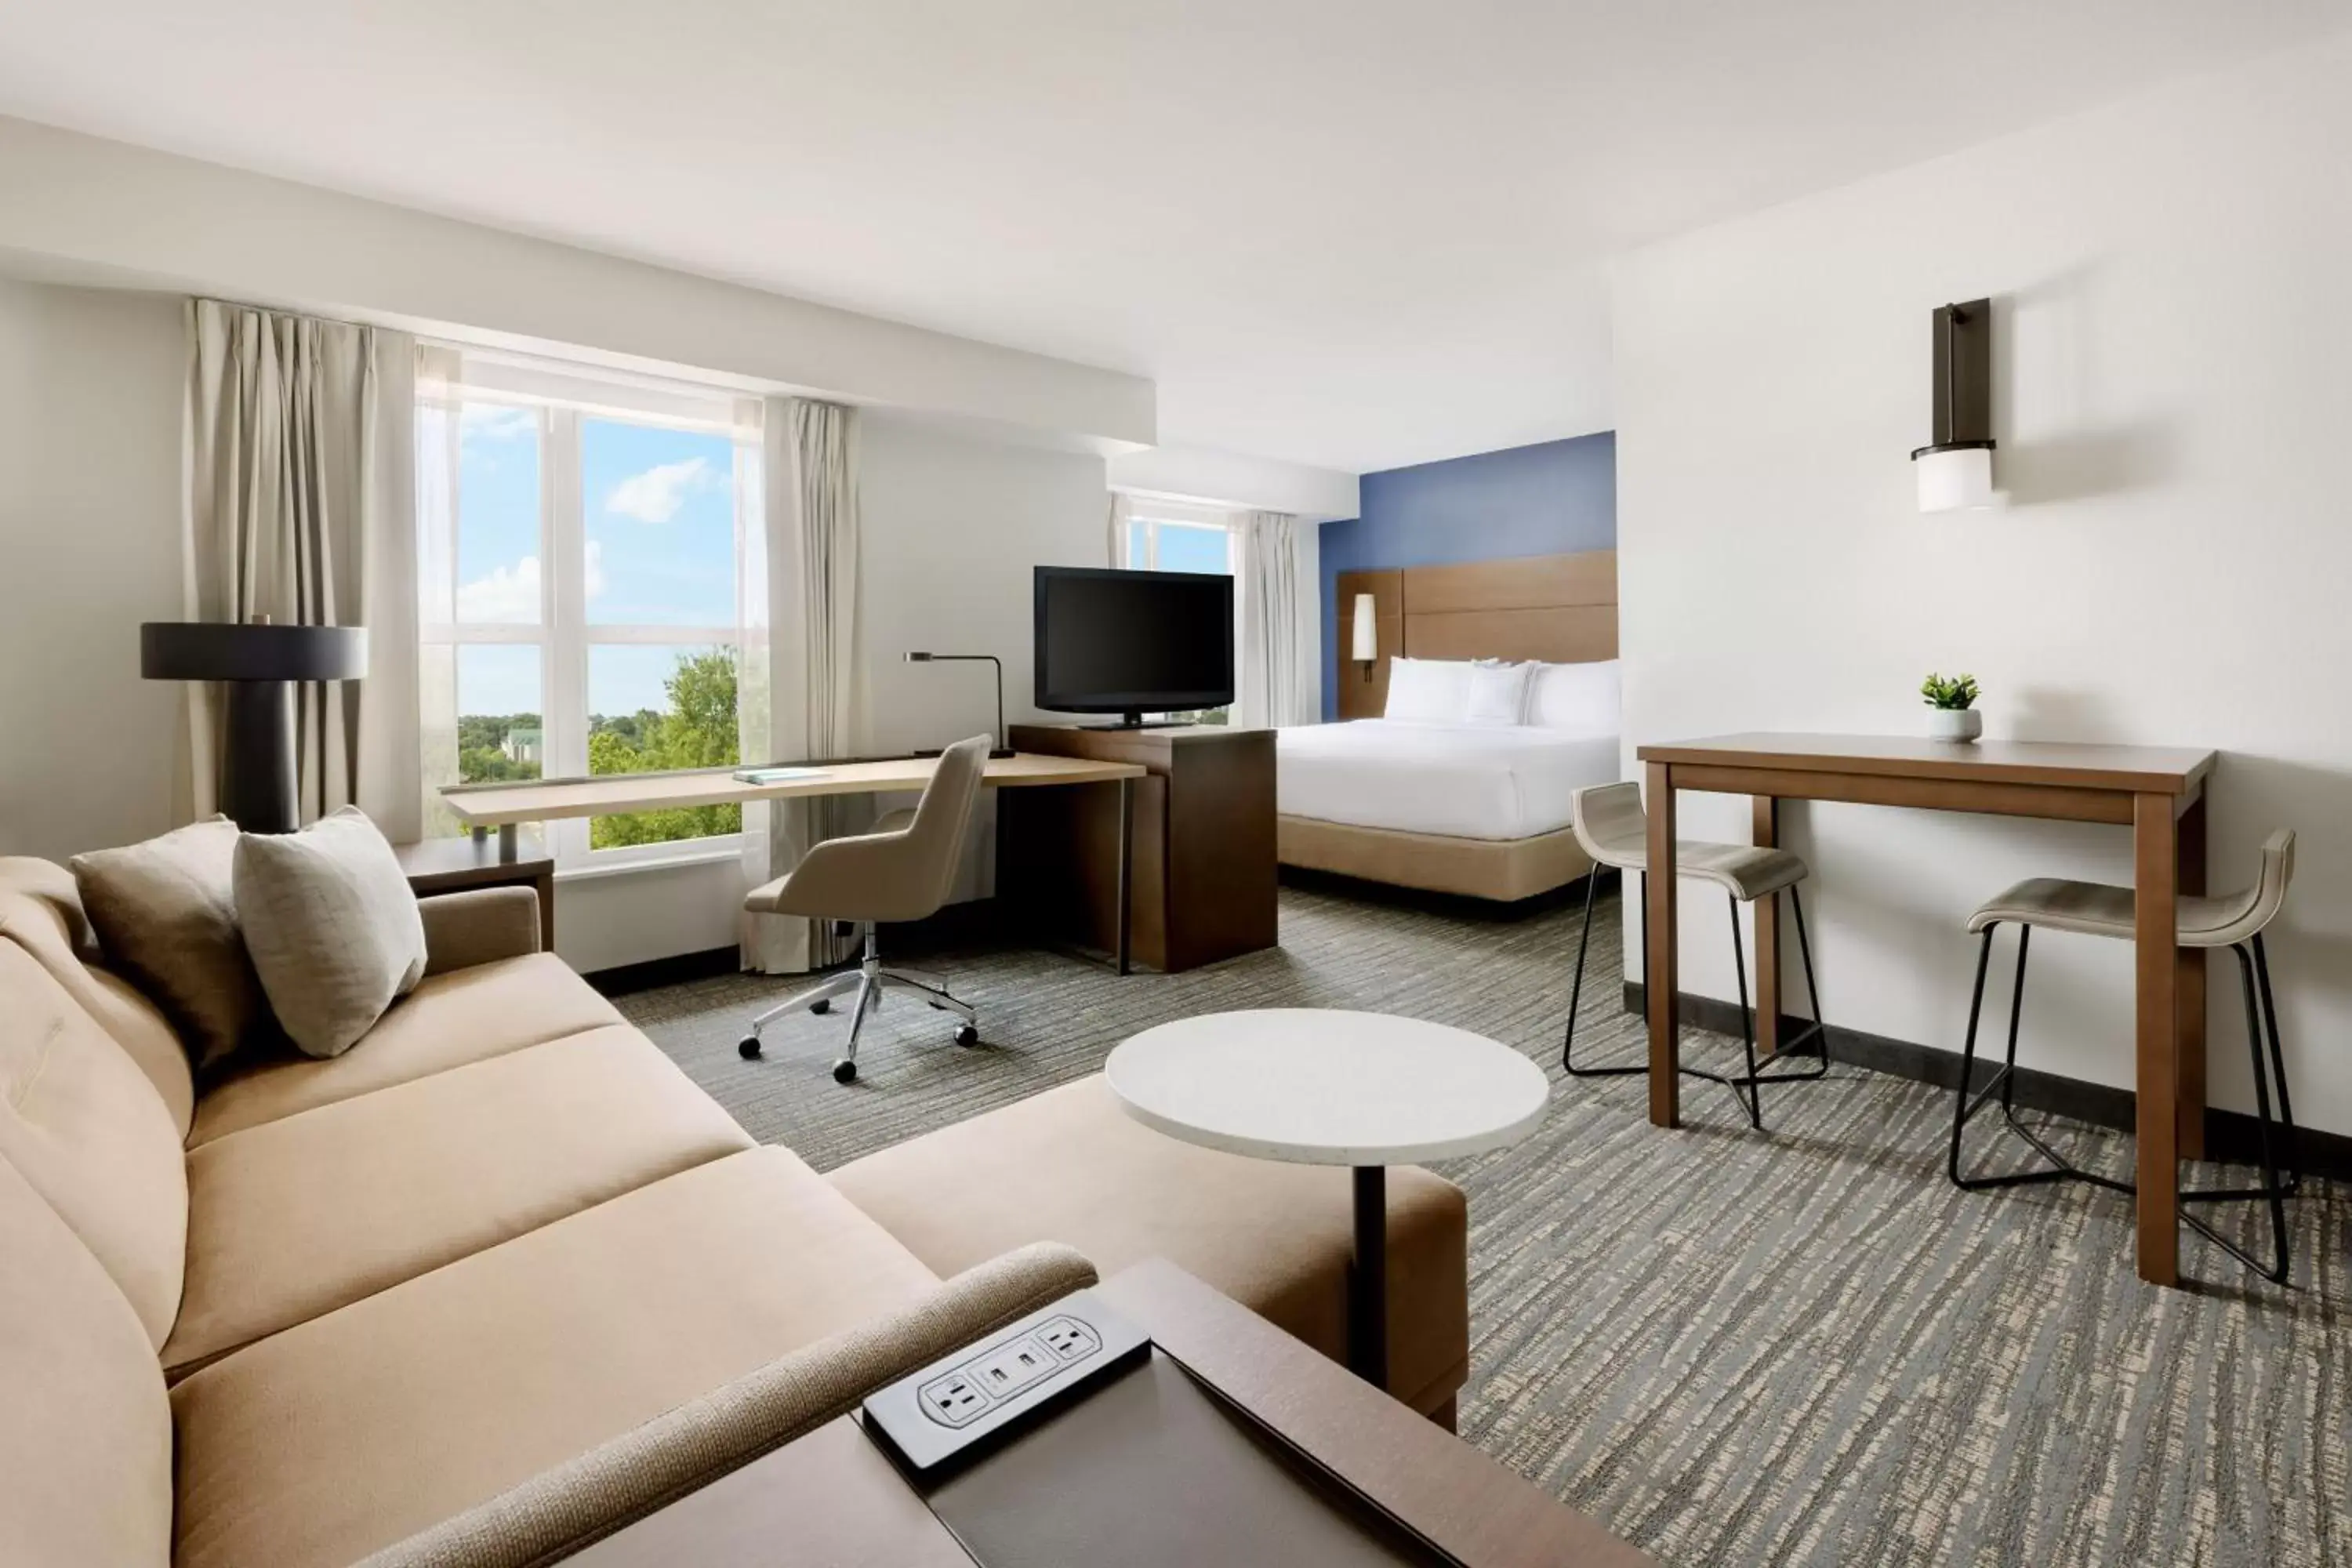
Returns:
(588, 564)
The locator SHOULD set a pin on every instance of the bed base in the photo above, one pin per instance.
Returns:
(1503, 869)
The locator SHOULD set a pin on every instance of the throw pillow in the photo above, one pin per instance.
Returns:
(331, 926)
(1498, 692)
(1579, 700)
(166, 913)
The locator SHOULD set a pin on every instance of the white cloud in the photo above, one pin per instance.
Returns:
(495, 422)
(509, 594)
(656, 495)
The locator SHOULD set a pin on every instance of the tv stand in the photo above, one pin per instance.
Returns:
(1137, 722)
(1203, 854)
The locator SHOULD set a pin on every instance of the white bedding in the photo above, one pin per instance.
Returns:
(1463, 781)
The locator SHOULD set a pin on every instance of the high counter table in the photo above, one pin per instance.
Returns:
(2156, 791)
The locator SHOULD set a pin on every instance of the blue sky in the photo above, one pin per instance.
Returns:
(660, 535)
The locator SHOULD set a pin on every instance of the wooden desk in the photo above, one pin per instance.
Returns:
(2158, 793)
(506, 806)
(454, 865)
(832, 1498)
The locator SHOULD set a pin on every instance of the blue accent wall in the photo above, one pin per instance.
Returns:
(1546, 500)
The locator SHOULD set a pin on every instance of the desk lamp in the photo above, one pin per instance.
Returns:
(1001, 749)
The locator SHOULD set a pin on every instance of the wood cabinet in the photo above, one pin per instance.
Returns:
(1202, 882)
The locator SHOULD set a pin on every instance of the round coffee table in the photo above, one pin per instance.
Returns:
(1322, 1086)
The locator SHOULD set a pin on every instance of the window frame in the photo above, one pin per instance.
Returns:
(561, 401)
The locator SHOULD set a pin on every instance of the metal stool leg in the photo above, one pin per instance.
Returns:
(1970, 1100)
(2294, 1162)
(2272, 1190)
(1752, 1099)
(1576, 996)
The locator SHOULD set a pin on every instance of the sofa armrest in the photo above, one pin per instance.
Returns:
(574, 1505)
(462, 929)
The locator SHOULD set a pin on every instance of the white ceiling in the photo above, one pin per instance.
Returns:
(1352, 233)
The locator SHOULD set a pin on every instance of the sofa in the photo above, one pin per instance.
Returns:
(499, 1278)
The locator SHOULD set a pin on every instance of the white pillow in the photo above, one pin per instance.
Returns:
(1498, 692)
(1428, 690)
(1580, 700)
(332, 928)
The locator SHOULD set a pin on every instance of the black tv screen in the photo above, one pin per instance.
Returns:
(1133, 642)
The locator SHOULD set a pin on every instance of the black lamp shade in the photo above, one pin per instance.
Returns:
(261, 664)
(227, 650)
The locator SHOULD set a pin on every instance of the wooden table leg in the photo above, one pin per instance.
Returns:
(2190, 963)
(2157, 1102)
(1766, 835)
(1659, 953)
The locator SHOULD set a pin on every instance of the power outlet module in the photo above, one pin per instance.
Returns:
(954, 1409)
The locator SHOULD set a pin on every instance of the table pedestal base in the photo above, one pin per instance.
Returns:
(1368, 1280)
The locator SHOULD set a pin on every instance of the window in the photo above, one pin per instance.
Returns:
(1169, 536)
(583, 588)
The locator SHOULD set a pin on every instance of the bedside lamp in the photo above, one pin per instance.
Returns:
(259, 664)
(1367, 650)
(1000, 748)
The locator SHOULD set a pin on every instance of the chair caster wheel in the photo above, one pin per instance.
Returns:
(822, 1004)
(748, 1048)
(845, 1071)
(968, 1035)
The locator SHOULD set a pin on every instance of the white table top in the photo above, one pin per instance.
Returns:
(1322, 1086)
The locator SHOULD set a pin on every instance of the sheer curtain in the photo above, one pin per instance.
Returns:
(1273, 686)
(812, 575)
(300, 454)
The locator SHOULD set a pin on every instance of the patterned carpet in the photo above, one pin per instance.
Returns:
(1802, 1347)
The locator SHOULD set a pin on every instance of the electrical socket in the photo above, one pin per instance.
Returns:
(1011, 1367)
(1070, 1339)
(953, 1399)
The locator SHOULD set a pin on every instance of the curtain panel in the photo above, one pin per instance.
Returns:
(1272, 688)
(811, 448)
(299, 447)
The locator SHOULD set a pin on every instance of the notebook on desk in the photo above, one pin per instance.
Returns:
(775, 775)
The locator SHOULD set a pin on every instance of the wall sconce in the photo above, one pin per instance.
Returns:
(1366, 636)
(1955, 471)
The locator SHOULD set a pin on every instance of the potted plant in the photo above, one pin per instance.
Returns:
(1951, 708)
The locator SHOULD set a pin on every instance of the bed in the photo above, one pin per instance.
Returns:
(1494, 699)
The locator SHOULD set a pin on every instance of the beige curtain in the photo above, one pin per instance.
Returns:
(809, 452)
(1272, 688)
(300, 455)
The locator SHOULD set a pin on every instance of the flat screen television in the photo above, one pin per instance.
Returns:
(1133, 643)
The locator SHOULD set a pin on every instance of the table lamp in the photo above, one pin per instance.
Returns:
(1000, 748)
(259, 663)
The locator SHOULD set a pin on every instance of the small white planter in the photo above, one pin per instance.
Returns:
(1954, 724)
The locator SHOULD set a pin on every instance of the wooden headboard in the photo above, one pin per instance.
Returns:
(1561, 610)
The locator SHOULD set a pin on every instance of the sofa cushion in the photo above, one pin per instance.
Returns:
(298, 1217)
(352, 1431)
(81, 1123)
(42, 913)
(165, 912)
(1068, 1165)
(332, 927)
(85, 1429)
(465, 1015)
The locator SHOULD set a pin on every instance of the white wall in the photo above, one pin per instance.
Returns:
(1236, 479)
(90, 505)
(2174, 350)
(78, 206)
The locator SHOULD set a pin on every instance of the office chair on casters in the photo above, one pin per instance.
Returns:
(902, 870)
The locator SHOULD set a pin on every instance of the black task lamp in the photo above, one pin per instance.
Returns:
(259, 663)
(1000, 748)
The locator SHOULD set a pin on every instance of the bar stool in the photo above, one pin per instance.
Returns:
(1613, 829)
(2094, 909)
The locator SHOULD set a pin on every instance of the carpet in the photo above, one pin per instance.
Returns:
(1798, 1347)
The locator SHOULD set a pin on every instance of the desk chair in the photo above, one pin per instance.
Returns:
(2094, 909)
(902, 870)
(1613, 829)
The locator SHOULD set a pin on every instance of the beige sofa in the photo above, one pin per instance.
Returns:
(501, 1278)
